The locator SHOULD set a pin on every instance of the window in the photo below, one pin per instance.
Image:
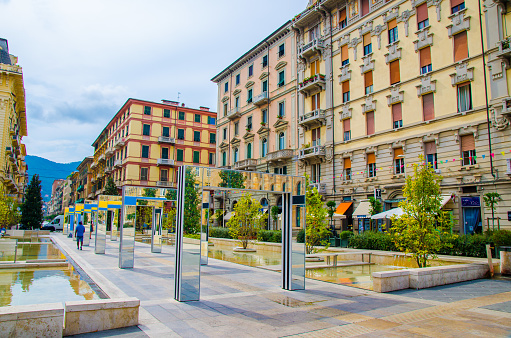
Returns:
(422, 16)
(265, 60)
(281, 79)
(347, 169)
(147, 110)
(180, 155)
(249, 150)
(163, 175)
(460, 46)
(468, 150)
(249, 99)
(315, 101)
(395, 76)
(345, 57)
(225, 133)
(365, 7)
(316, 137)
(196, 136)
(212, 138)
(235, 155)
(343, 22)
(225, 112)
(282, 141)
(368, 82)
(464, 97)
(264, 147)
(392, 27)
(282, 110)
(368, 46)
(250, 70)
(236, 128)
(224, 158)
(236, 101)
(146, 130)
(265, 86)
(145, 151)
(226, 87)
(249, 123)
(165, 131)
(313, 33)
(165, 153)
(314, 67)
(211, 158)
(345, 91)
(264, 116)
(282, 50)
(237, 79)
(425, 60)
(196, 118)
(428, 107)
(370, 123)
(182, 113)
(211, 120)
(346, 126)
(166, 112)
(399, 161)
(144, 174)
(457, 5)
(371, 165)
(180, 134)
(430, 150)
(196, 156)
(397, 116)
(316, 173)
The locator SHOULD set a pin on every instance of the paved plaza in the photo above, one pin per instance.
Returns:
(241, 301)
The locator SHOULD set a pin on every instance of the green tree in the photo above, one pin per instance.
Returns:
(232, 179)
(111, 188)
(415, 232)
(317, 230)
(491, 199)
(32, 209)
(247, 220)
(192, 213)
(9, 213)
(171, 194)
(331, 209)
(375, 208)
(274, 214)
(219, 217)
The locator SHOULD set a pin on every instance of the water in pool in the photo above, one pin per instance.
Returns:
(44, 250)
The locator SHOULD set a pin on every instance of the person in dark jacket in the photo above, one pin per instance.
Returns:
(79, 231)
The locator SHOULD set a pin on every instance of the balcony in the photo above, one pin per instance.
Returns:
(98, 176)
(164, 161)
(248, 164)
(80, 188)
(279, 155)
(165, 184)
(9, 180)
(309, 49)
(504, 48)
(8, 150)
(15, 140)
(93, 179)
(118, 163)
(108, 170)
(119, 143)
(234, 113)
(261, 99)
(93, 165)
(101, 158)
(90, 196)
(311, 152)
(312, 84)
(12, 158)
(312, 118)
(166, 139)
(320, 186)
(109, 151)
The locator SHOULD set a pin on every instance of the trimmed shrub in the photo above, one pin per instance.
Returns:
(217, 232)
(273, 236)
(300, 236)
(346, 234)
(372, 241)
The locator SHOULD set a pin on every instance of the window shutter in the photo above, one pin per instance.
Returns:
(370, 123)
(313, 102)
(345, 86)
(430, 148)
(425, 56)
(344, 53)
(347, 163)
(367, 39)
(428, 107)
(398, 152)
(313, 134)
(394, 72)
(391, 24)
(313, 68)
(456, 2)
(346, 124)
(365, 7)
(467, 142)
(397, 113)
(371, 158)
(368, 78)
(460, 46)
(342, 15)
(422, 12)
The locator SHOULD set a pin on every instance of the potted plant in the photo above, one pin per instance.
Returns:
(345, 238)
(248, 129)
(263, 124)
(279, 117)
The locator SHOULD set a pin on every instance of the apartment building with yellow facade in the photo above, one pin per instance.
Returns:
(13, 175)
(145, 142)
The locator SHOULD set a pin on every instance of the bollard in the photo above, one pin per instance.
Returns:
(505, 260)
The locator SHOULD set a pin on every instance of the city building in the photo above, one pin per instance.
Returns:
(55, 203)
(84, 187)
(145, 142)
(13, 177)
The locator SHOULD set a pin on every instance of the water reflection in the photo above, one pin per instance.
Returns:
(259, 258)
(27, 251)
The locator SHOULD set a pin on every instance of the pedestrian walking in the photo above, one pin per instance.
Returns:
(79, 231)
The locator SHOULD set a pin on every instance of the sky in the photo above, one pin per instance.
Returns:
(82, 59)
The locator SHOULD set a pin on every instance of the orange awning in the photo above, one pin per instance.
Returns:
(343, 207)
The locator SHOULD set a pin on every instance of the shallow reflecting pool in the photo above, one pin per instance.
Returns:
(27, 251)
(36, 286)
(260, 258)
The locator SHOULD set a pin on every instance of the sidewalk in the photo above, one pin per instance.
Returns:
(241, 301)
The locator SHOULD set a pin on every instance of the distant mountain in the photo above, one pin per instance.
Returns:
(48, 172)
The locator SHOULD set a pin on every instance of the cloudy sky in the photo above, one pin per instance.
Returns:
(82, 59)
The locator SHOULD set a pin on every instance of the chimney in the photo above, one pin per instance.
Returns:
(172, 103)
(204, 108)
(182, 104)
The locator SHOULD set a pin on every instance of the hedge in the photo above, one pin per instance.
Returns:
(273, 236)
(218, 232)
(372, 241)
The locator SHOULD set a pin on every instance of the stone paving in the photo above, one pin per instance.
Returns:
(242, 301)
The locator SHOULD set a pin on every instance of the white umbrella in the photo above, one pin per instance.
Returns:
(388, 213)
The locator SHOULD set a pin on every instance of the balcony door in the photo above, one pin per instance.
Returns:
(165, 153)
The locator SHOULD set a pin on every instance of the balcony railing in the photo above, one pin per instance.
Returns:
(118, 163)
(108, 170)
(119, 143)
(316, 151)
(165, 184)
(310, 48)
(315, 82)
(315, 117)
(164, 161)
(166, 139)
(234, 113)
(248, 164)
(101, 158)
(10, 68)
(504, 48)
(109, 151)
(15, 140)
(261, 99)
(8, 150)
(279, 155)
(93, 165)
(320, 186)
